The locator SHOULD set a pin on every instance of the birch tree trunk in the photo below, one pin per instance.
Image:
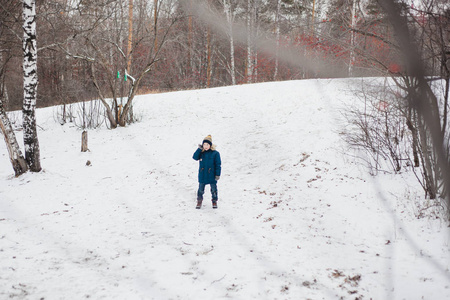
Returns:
(255, 35)
(352, 40)
(15, 155)
(230, 18)
(209, 57)
(32, 153)
(313, 16)
(277, 36)
(249, 70)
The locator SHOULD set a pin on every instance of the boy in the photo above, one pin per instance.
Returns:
(208, 171)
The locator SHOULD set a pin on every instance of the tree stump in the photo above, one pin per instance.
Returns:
(84, 141)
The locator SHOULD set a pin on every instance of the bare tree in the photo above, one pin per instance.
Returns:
(229, 10)
(418, 101)
(424, 113)
(377, 126)
(277, 36)
(102, 48)
(352, 39)
(251, 25)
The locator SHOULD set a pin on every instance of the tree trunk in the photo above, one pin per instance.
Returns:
(209, 58)
(155, 24)
(352, 40)
(230, 18)
(18, 162)
(123, 117)
(84, 141)
(130, 39)
(313, 16)
(446, 95)
(130, 34)
(277, 36)
(190, 35)
(415, 138)
(431, 188)
(109, 112)
(32, 153)
(249, 69)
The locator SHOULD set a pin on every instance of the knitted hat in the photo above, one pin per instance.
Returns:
(208, 140)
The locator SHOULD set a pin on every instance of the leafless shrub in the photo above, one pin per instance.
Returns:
(64, 113)
(392, 136)
(376, 125)
(90, 115)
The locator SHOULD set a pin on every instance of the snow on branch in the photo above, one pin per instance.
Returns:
(131, 77)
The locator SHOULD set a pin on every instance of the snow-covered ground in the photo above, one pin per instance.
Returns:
(298, 218)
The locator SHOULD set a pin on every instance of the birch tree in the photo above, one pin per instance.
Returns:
(250, 30)
(229, 13)
(15, 154)
(277, 37)
(32, 152)
(352, 38)
(209, 57)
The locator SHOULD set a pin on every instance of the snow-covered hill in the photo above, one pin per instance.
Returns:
(297, 217)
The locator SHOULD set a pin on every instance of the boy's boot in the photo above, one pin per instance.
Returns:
(214, 203)
(199, 204)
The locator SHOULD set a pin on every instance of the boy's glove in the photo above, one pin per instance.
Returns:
(200, 146)
(217, 177)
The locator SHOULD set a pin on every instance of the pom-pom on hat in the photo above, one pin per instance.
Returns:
(208, 140)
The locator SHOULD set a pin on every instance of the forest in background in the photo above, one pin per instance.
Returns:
(85, 48)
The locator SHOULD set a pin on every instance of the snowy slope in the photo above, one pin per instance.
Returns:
(297, 217)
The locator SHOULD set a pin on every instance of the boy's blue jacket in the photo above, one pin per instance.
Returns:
(210, 165)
